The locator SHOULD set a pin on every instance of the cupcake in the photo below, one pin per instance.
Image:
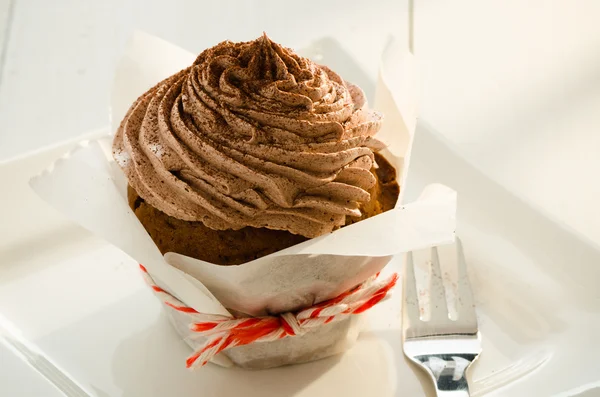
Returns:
(250, 150)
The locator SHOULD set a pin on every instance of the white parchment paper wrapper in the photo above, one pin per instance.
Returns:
(88, 187)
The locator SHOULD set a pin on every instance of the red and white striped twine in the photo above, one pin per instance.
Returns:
(226, 332)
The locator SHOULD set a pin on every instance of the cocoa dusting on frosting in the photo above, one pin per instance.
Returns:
(252, 135)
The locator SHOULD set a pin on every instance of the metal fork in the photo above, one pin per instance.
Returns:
(443, 347)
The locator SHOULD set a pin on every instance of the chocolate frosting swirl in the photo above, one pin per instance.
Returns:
(252, 135)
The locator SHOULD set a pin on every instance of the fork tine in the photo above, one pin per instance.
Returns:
(465, 304)
(442, 347)
(411, 298)
(439, 307)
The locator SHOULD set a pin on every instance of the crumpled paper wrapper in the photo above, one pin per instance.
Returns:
(89, 188)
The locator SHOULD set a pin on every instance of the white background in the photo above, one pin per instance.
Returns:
(513, 85)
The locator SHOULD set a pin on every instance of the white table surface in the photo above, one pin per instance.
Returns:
(512, 85)
(19, 380)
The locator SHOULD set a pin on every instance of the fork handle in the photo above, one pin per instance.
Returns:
(453, 393)
(448, 373)
(451, 388)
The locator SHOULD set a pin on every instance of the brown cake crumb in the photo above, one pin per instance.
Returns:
(234, 247)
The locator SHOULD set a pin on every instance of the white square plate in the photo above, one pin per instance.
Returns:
(79, 313)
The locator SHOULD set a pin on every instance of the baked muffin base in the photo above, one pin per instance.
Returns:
(234, 247)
